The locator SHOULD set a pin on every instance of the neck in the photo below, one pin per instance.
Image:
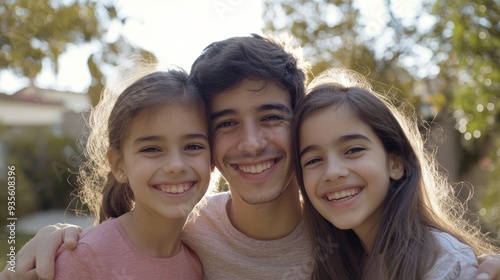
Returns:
(153, 236)
(368, 230)
(267, 221)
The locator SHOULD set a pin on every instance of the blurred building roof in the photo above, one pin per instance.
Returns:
(76, 102)
(36, 106)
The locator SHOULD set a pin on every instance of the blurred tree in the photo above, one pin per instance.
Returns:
(332, 33)
(25, 199)
(456, 59)
(221, 185)
(466, 40)
(35, 32)
(45, 169)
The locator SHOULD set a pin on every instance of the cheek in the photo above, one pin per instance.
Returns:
(276, 135)
(221, 142)
(203, 165)
(310, 183)
(280, 135)
(380, 171)
(135, 166)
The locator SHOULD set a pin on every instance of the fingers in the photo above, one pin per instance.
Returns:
(30, 275)
(9, 275)
(482, 258)
(25, 261)
(46, 251)
(70, 236)
(489, 267)
(36, 259)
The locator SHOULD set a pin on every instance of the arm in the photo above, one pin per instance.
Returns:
(41, 250)
(489, 267)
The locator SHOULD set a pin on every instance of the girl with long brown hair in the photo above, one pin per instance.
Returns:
(376, 206)
(148, 166)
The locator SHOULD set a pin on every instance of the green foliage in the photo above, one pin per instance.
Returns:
(25, 199)
(469, 36)
(46, 167)
(221, 185)
(34, 31)
(490, 206)
(331, 34)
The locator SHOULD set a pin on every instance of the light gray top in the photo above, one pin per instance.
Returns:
(455, 260)
(226, 253)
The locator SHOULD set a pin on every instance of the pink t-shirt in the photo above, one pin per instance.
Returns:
(105, 252)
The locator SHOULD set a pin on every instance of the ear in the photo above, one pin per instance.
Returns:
(396, 167)
(116, 163)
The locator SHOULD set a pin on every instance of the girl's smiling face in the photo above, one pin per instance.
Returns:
(166, 161)
(346, 170)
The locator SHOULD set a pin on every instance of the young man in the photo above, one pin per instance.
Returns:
(255, 231)
(251, 86)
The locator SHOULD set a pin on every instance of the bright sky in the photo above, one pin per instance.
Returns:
(177, 31)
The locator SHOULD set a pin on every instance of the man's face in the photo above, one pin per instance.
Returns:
(251, 139)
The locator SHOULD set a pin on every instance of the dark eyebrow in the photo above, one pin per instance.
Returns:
(222, 113)
(308, 149)
(354, 136)
(153, 138)
(148, 138)
(265, 107)
(275, 106)
(196, 136)
(343, 138)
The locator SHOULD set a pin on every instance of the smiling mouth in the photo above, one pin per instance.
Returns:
(176, 188)
(256, 168)
(343, 195)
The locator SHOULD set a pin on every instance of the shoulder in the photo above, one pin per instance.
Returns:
(211, 205)
(98, 240)
(190, 258)
(448, 242)
(454, 260)
(101, 234)
(214, 199)
(208, 215)
(84, 259)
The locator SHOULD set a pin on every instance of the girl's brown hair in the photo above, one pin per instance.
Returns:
(420, 201)
(109, 124)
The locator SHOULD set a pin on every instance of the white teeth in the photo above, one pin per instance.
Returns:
(257, 168)
(343, 194)
(175, 188)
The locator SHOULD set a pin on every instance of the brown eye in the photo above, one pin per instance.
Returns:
(312, 161)
(355, 150)
(224, 124)
(150, 150)
(194, 147)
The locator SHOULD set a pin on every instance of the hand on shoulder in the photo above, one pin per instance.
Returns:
(489, 267)
(41, 250)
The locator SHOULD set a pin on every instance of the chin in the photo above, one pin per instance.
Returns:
(179, 212)
(262, 198)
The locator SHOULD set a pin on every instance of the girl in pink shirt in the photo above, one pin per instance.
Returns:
(146, 170)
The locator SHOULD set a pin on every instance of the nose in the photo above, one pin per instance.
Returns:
(174, 163)
(335, 169)
(252, 139)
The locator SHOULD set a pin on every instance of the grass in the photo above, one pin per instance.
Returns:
(21, 239)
